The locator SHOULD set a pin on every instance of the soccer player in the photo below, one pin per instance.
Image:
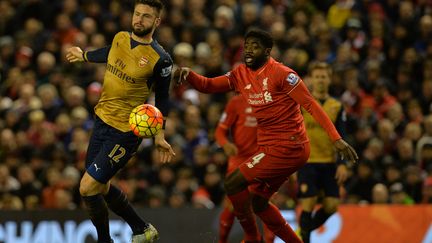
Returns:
(275, 93)
(321, 172)
(135, 65)
(238, 120)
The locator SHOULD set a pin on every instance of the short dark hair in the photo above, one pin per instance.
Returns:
(322, 66)
(265, 38)
(157, 4)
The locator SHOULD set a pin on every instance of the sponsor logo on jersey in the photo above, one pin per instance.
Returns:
(292, 79)
(143, 61)
(265, 84)
(268, 97)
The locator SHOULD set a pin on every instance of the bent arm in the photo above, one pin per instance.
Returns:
(209, 85)
(221, 134)
(302, 96)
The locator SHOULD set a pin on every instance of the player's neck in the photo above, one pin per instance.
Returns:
(147, 39)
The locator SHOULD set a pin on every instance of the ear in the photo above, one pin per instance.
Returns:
(267, 51)
(158, 21)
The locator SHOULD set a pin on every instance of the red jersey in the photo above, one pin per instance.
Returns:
(238, 118)
(275, 93)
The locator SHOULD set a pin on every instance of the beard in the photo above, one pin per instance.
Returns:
(142, 32)
(258, 62)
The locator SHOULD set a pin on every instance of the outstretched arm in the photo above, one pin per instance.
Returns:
(75, 54)
(302, 96)
(201, 83)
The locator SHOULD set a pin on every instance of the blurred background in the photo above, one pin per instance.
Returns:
(380, 51)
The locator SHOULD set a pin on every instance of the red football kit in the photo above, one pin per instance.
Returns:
(238, 118)
(275, 93)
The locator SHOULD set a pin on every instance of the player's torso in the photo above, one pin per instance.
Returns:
(322, 150)
(245, 129)
(278, 115)
(127, 80)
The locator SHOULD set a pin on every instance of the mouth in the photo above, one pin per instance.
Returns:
(248, 59)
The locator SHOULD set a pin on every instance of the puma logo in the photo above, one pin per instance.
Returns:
(95, 165)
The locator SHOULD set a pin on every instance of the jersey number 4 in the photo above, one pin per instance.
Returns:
(255, 160)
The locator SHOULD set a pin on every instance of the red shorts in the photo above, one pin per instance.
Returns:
(269, 168)
(234, 162)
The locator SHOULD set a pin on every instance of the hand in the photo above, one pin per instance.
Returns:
(346, 151)
(341, 174)
(74, 54)
(165, 150)
(230, 149)
(180, 75)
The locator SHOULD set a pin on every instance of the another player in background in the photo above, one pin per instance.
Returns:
(323, 171)
(275, 93)
(136, 65)
(237, 120)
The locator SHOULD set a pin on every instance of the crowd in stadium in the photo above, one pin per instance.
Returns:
(380, 51)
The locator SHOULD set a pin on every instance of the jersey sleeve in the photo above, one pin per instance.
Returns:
(99, 55)
(301, 95)
(340, 122)
(162, 79)
(227, 120)
(209, 85)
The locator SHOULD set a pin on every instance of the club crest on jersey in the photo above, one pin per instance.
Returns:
(292, 79)
(143, 61)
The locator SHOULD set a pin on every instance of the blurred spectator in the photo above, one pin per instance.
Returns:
(380, 194)
(360, 187)
(8, 183)
(399, 196)
(413, 183)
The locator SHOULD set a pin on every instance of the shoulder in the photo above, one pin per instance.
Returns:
(122, 35)
(238, 69)
(285, 73)
(164, 55)
(334, 101)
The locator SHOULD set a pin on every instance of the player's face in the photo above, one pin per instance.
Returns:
(255, 54)
(145, 20)
(320, 79)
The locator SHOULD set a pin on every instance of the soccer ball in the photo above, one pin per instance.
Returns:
(145, 120)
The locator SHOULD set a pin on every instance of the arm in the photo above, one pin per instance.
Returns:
(222, 139)
(301, 95)
(201, 83)
(227, 121)
(341, 171)
(340, 124)
(162, 79)
(75, 54)
(99, 55)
